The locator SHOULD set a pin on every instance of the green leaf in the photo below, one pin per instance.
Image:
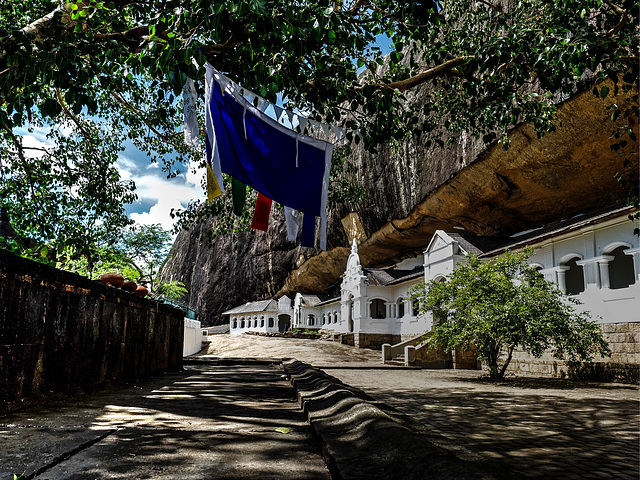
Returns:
(283, 430)
(604, 92)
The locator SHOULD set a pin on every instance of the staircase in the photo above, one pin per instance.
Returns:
(397, 360)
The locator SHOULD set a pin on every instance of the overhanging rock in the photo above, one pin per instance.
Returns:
(535, 181)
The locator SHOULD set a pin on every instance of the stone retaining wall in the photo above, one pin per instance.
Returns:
(60, 332)
(623, 365)
(374, 340)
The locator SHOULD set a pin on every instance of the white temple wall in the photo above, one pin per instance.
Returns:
(253, 322)
(593, 245)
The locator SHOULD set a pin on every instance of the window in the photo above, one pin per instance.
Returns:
(335, 316)
(621, 273)
(262, 322)
(574, 277)
(242, 322)
(235, 323)
(415, 308)
(400, 308)
(311, 320)
(271, 320)
(378, 309)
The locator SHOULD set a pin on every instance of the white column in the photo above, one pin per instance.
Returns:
(591, 272)
(603, 263)
(562, 280)
(635, 252)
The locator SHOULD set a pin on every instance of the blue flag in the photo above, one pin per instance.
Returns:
(285, 166)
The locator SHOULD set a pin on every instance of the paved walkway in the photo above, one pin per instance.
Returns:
(524, 427)
(219, 421)
(208, 422)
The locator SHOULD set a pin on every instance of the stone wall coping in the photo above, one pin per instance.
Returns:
(364, 439)
(46, 275)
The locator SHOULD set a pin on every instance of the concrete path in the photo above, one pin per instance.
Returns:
(522, 428)
(208, 422)
(218, 421)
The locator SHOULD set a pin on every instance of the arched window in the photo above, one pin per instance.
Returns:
(324, 319)
(335, 316)
(400, 307)
(271, 322)
(261, 322)
(378, 309)
(415, 308)
(235, 323)
(311, 320)
(574, 277)
(621, 273)
(242, 322)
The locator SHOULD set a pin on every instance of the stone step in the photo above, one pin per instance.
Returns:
(395, 362)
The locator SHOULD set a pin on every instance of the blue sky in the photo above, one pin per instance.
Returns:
(157, 194)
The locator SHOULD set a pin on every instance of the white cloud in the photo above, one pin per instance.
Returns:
(159, 213)
(195, 175)
(30, 142)
(167, 194)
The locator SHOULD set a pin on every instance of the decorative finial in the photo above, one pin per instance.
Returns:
(354, 246)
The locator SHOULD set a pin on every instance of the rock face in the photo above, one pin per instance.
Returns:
(411, 192)
(231, 270)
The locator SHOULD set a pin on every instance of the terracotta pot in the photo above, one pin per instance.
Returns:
(114, 279)
(129, 286)
(142, 291)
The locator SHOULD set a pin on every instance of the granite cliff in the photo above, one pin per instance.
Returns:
(411, 192)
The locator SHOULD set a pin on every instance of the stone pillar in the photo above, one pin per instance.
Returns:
(562, 281)
(388, 308)
(635, 252)
(603, 264)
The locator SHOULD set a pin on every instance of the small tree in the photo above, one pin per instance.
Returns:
(505, 303)
(173, 290)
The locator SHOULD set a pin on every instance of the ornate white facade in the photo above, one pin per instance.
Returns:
(594, 257)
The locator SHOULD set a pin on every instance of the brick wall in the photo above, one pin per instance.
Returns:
(60, 331)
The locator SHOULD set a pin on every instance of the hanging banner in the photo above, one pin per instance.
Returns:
(287, 167)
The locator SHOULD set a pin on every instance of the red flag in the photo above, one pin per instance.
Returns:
(260, 219)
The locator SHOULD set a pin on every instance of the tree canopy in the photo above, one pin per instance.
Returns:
(498, 306)
(121, 64)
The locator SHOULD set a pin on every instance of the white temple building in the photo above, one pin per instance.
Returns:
(594, 257)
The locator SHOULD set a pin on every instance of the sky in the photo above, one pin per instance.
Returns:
(157, 195)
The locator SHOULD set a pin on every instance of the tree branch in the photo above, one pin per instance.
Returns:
(496, 8)
(25, 165)
(356, 7)
(70, 114)
(140, 113)
(136, 33)
(615, 8)
(619, 26)
(443, 69)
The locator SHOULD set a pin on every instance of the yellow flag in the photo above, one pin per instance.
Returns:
(213, 189)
